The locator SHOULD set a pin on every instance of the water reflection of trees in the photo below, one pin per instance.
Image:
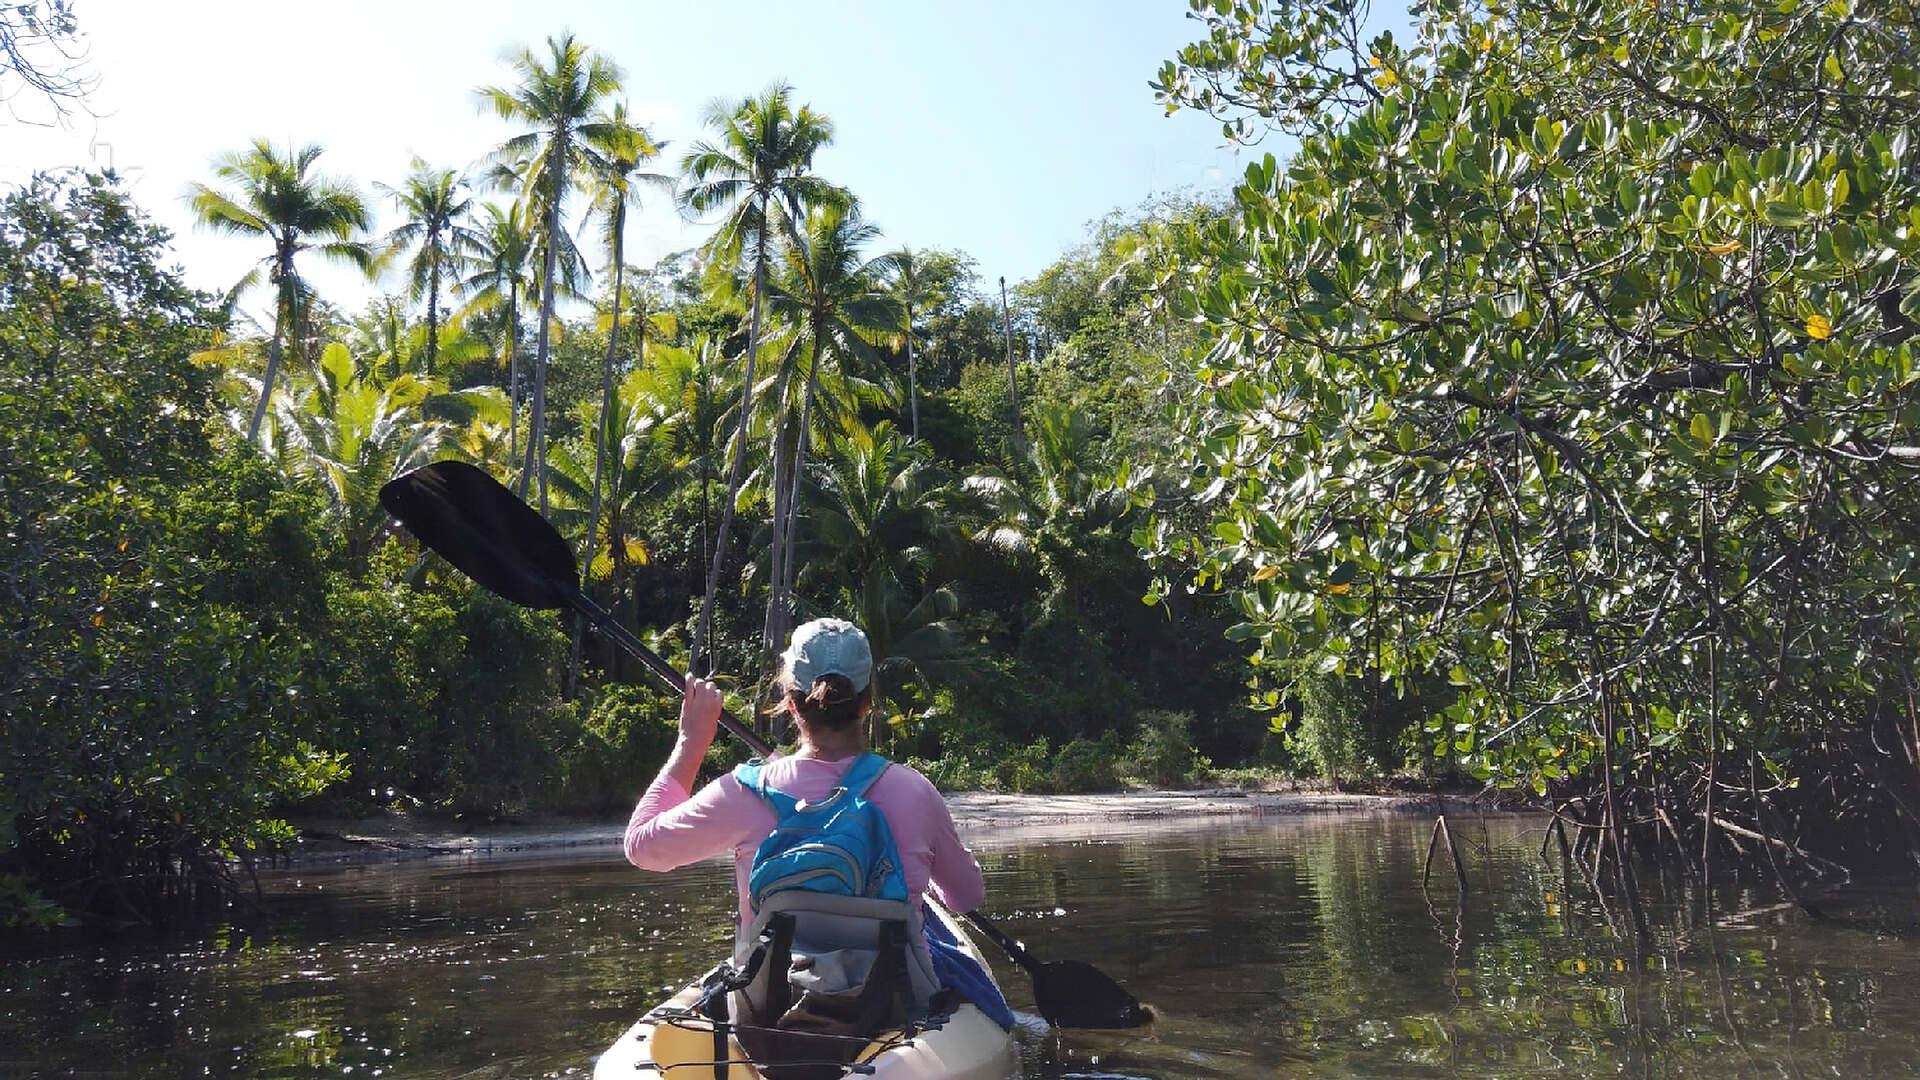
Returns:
(1311, 944)
(520, 970)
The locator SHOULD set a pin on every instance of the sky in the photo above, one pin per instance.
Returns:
(998, 127)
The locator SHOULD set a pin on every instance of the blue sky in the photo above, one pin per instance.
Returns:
(998, 127)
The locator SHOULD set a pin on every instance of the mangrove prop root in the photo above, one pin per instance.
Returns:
(1453, 852)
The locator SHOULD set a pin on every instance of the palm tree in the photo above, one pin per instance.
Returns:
(831, 297)
(279, 198)
(757, 171)
(910, 288)
(352, 432)
(881, 507)
(479, 418)
(497, 258)
(1060, 511)
(657, 441)
(623, 146)
(879, 504)
(555, 99)
(434, 206)
(379, 334)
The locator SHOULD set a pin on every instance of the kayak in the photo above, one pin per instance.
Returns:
(673, 1042)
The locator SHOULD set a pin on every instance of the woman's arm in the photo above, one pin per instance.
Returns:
(956, 876)
(668, 829)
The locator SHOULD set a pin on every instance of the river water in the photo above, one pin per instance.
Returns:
(1287, 947)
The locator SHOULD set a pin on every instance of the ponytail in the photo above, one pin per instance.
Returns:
(830, 704)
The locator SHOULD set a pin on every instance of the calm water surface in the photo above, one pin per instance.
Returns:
(1290, 948)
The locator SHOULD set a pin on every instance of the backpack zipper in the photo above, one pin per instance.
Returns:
(855, 875)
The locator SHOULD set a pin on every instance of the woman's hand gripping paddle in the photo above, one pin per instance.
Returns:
(470, 520)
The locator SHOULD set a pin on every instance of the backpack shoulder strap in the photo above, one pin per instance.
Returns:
(863, 773)
(753, 777)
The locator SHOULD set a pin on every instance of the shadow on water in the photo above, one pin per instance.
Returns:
(1271, 947)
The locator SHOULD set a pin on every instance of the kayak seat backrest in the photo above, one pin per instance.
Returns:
(820, 984)
(836, 940)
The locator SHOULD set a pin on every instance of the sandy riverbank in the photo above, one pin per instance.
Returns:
(985, 819)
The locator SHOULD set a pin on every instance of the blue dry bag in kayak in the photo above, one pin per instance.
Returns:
(838, 845)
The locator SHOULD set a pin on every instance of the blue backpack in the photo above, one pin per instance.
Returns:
(840, 845)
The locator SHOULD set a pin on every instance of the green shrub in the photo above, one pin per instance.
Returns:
(1026, 768)
(1274, 751)
(620, 746)
(1357, 728)
(1162, 752)
(1087, 765)
(1331, 737)
(1005, 767)
(952, 772)
(442, 696)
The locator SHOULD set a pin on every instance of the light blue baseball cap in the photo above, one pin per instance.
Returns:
(829, 647)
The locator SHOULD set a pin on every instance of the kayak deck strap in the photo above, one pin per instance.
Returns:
(720, 1065)
(691, 1021)
(688, 1020)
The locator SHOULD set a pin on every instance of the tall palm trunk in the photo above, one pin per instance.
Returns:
(537, 422)
(1013, 380)
(706, 481)
(770, 628)
(433, 307)
(787, 516)
(913, 382)
(600, 448)
(282, 304)
(513, 372)
(787, 562)
(393, 341)
(266, 384)
(737, 473)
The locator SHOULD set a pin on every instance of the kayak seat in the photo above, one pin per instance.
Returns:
(822, 975)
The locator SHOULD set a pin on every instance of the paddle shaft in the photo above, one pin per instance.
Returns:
(1008, 945)
(603, 621)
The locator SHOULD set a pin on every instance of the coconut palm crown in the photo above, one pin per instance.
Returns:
(278, 197)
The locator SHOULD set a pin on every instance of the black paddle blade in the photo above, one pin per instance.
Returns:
(486, 532)
(1071, 994)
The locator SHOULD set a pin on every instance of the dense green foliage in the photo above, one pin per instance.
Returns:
(222, 628)
(1569, 360)
(151, 580)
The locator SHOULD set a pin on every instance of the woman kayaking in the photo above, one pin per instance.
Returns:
(827, 838)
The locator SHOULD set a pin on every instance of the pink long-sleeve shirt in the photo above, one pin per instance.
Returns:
(670, 829)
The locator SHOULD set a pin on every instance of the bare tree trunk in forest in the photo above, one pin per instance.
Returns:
(281, 311)
(793, 501)
(770, 634)
(600, 443)
(513, 374)
(537, 422)
(266, 383)
(782, 465)
(433, 307)
(737, 474)
(780, 603)
(1013, 381)
(706, 481)
(913, 381)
